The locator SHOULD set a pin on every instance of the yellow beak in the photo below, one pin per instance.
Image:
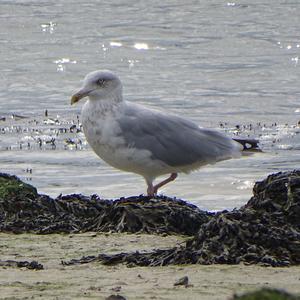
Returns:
(74, 99)
(79, 95)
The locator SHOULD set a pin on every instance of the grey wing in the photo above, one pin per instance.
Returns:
(174, 140)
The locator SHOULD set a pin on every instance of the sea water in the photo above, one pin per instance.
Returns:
(232, 66)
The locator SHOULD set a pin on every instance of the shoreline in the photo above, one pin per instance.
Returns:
(97, 281)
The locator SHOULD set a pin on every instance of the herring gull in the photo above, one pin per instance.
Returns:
(137, 139)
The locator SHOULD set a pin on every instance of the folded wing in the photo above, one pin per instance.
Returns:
(174, 140)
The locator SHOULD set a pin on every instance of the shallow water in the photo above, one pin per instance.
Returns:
(212, 62)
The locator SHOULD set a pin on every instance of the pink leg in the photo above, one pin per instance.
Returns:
(152, 190)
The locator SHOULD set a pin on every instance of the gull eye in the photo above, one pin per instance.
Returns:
(101, 82)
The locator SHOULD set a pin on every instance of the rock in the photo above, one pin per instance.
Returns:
(11, 187)
(266, 294)
(115, 297)
(182, 281)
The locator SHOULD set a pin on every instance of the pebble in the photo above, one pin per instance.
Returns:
(115, 297)
(182, 281)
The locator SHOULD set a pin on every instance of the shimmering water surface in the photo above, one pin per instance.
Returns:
(218, 63)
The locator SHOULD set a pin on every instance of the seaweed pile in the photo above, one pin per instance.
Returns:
(31, 265)
(22, 209)
(265, 231)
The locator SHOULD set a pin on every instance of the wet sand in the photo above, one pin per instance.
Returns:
(96, 281)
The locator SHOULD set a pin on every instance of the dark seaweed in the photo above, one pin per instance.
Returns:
(32, 265)
(265, 231)
(22, 209)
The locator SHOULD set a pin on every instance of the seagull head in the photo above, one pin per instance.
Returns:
(99, 85)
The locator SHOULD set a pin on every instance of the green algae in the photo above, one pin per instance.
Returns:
(13, 187)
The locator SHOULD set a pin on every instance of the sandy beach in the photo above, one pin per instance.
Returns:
(96, 281)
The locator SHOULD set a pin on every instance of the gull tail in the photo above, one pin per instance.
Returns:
(249, 145)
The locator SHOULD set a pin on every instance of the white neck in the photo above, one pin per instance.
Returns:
(108, 102)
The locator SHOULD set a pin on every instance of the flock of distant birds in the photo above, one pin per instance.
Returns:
(51, 133)
(41, 132)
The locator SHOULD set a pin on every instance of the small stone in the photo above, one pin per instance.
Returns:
(182, 281)
(115, 297)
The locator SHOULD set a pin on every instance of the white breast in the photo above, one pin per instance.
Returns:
(102, 132)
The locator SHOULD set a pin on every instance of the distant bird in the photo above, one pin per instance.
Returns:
(137, 139)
